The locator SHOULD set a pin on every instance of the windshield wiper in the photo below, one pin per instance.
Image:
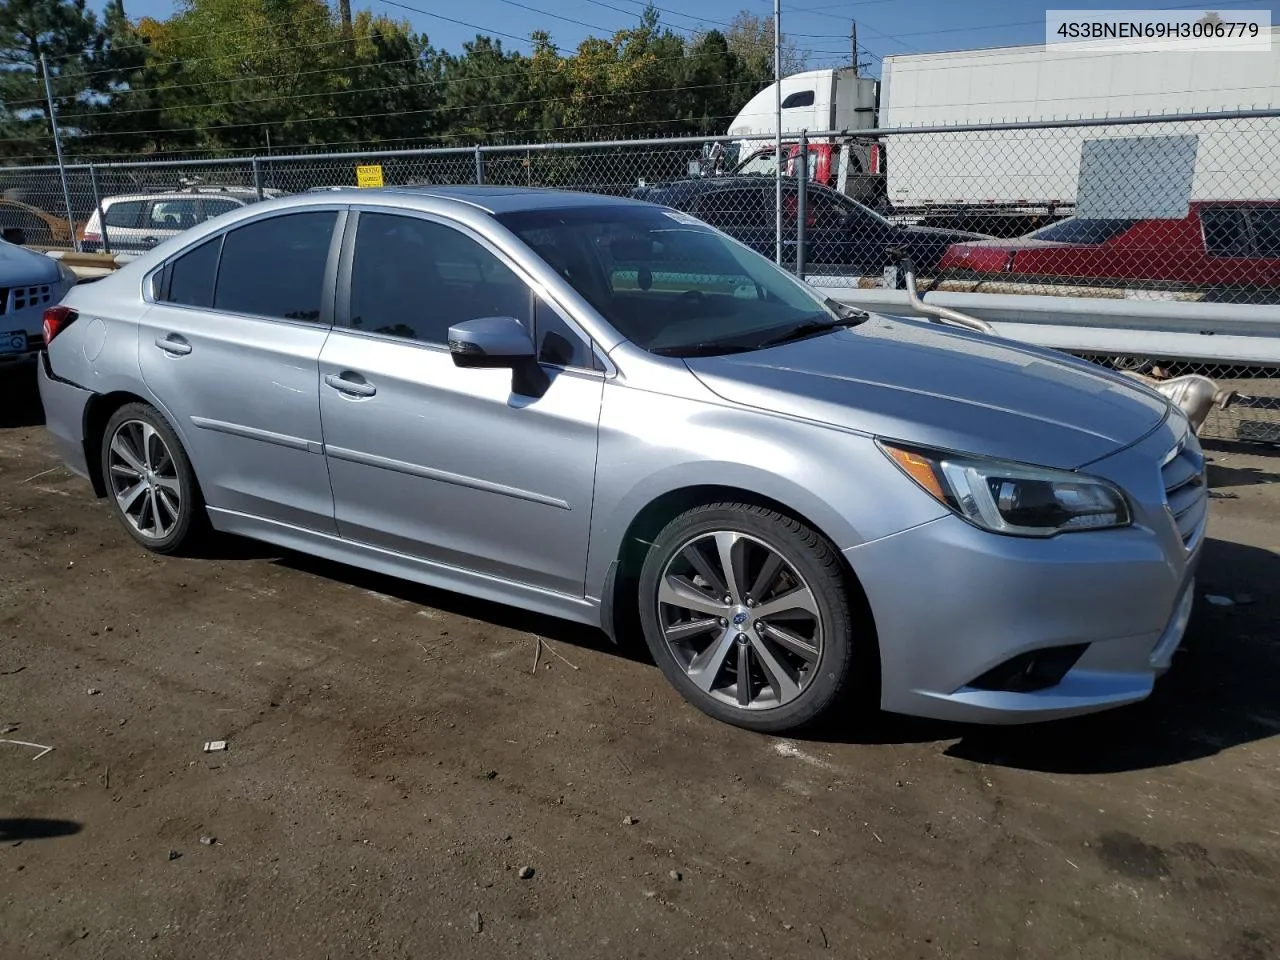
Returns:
(809, 329)
(709, 348)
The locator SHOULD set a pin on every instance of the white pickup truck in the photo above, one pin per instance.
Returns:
(30, 282)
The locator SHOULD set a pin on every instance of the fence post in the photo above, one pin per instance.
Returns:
(802, 198)
(57, 146)
(257, 177)
(97, 205)
(479, 164)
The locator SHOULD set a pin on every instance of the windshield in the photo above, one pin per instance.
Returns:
(1076, 230)
(759, 165)
(671, 284)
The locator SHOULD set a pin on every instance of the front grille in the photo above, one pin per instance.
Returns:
(1185, 492)
(24, 297)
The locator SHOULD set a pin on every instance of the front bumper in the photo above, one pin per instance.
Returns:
(64, 410)
(952, 602)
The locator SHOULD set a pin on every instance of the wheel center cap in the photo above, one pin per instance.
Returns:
(740, 617)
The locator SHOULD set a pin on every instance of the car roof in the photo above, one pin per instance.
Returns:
(500, 199)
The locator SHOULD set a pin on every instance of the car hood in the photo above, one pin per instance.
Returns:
(935, 386)
(19, 266)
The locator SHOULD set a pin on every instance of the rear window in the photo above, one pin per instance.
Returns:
(126, 213)
(1225, 232)
(1076, 230)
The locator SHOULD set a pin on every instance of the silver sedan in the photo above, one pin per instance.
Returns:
(607, 411)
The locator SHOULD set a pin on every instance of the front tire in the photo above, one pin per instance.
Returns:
(149, 481)
(746, 611)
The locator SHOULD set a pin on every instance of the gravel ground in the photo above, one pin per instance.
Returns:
(394, 764)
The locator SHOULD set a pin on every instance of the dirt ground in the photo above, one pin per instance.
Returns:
(393, 764)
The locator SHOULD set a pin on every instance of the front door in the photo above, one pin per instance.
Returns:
(463, 467)
(231, 352)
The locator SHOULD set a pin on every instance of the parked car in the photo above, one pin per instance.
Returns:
(1215, 245)
(136, 222)
(37, 226)
(839, 231)
(607, 411)
(30, 282)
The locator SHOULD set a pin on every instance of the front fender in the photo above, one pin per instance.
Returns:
(652, 445)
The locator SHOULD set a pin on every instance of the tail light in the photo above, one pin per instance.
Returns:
(91, 236)
(57, 319)
(876, 158)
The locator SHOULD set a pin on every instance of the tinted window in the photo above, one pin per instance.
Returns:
(191, 276)
(557, 342)
(1225, 234)
(737, 210)
(1266, 231)
(275, 268)
(126, 213)
(803, 98)
(1075, 230)
(414, 278)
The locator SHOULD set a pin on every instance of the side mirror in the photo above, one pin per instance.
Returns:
(15, 235)
(491, 342)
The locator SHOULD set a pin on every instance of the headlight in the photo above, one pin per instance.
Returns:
(1013, 498)
(69, 278)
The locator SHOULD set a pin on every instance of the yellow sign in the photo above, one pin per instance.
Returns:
(370, 176)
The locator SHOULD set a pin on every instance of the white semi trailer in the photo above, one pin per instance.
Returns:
(977, 178)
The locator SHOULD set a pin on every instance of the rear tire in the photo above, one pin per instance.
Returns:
(734, 589)
(149, 481)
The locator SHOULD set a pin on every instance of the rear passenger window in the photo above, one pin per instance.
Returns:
(191, 276)
(275, 268)
(126, 213)
(1225, 234)
(415, 278)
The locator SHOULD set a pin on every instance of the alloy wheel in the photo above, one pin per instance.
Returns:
(144, 479)
(740, 620)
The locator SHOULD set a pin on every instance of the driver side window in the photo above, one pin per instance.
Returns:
(414, 278)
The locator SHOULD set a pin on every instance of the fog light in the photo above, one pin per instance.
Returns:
(1034, 670)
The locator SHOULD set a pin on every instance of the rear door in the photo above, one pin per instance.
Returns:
(1229, 250)
(124, 225)
(231, 351)
(1265, 221)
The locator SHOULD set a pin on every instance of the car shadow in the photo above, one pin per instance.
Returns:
(19, 396)
(1219, 694)
(462, 605)
(20, 829)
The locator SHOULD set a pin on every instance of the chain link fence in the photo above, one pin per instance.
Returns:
(1177, 209)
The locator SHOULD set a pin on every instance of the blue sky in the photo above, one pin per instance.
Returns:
(820, 26)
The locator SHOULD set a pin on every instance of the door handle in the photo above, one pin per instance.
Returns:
(345, 383)
(174, 345)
